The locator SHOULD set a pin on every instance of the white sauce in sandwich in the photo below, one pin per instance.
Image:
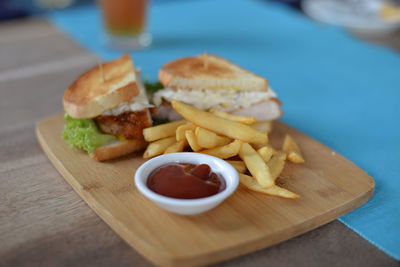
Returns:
(137, 103)
(205, 99)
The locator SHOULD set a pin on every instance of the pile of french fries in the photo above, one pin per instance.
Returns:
(227, 136)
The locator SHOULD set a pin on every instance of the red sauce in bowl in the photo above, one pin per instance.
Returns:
(185, 181)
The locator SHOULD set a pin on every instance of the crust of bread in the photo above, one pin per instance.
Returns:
(117, 149)
(90, 95)
(209, 72)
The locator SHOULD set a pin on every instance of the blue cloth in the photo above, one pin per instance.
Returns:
(339, 90)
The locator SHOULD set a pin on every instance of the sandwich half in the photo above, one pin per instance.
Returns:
(107, 110)
(207, 81)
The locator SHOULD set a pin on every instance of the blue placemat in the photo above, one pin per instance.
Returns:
(339, 90)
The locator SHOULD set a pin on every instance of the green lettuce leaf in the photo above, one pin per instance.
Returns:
(152, 87)
(84, 134)
(160, 121)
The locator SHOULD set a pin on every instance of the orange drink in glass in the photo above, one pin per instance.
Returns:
(125, 22)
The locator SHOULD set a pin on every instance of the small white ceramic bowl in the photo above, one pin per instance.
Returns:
(187, 206)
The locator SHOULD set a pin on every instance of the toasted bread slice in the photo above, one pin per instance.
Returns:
(117, 149)
(101, 88)
(209, 72)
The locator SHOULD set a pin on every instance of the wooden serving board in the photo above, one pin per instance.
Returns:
(329, 186)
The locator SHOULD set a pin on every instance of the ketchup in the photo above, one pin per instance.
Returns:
(185, 181)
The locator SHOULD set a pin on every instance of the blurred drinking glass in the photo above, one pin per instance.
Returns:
(125, 22)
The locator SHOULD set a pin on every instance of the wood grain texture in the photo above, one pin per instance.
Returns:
(329, 186)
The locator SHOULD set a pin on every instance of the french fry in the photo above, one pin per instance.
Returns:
(250, 183)
(276, 164)
(220, 126)
(264, 126)
(257, 146)
(180, 131)
(161, 131)
(266, 153)
(158, 147)
(238, 165)
(224, 152)
(178, 146)
(191, 138)
(256, 165)
(208, 139)
(292, 149)
(231, 117)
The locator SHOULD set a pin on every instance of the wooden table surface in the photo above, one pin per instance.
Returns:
(55, 227)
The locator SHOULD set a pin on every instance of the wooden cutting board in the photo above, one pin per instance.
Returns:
(329, 186)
